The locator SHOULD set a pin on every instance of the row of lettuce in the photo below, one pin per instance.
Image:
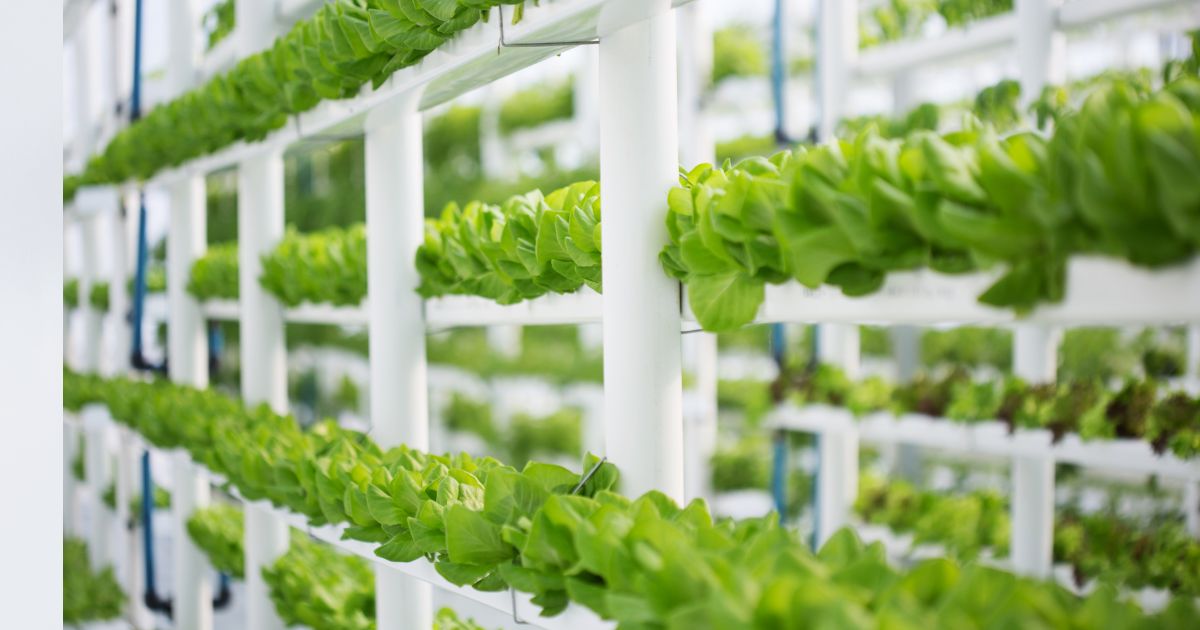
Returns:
(564, 537)
(312, 585)
(1139, 408)
(97, 297)
(843, 215)
(1155, 551)
(88, 594)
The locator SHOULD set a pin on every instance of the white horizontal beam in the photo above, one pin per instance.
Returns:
(979, 36)
(1081, 13)
(1099, 291)
(985, 438)
(472, 59)
(582, 307)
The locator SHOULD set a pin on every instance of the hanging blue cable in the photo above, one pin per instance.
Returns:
(779, 77)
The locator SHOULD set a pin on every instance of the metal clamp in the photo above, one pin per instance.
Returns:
(588, 476)
(512, 592)
(505, 44)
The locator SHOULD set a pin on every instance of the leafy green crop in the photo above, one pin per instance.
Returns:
(88, 596)
(965, 525)
(70, 293)
(646, 563)
(162, 499)
(315, 586)
(537, 105)
(215, 274)
(156, 281)
(329, 56)
(218, 530)
(329, 266)
(219, 22)
(529, 246)
(892, 20)
(98, 296)
(847, 214)
(738, 52)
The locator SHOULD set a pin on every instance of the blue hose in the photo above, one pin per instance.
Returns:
(148, 521)
(779, 76)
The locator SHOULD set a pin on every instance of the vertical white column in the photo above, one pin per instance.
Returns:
(188, 354)
(84, 132)
(1040, 49)
(399, 405)
(505, 339)
(837, 479)
(187, 343)
(906, 352)
(1035, 350)
(638, 165)
(98, 474)
(118, 333)
(696, 146)
(1191, 506)
(586, 99)
(70, 488)
(1191, 370)
(263, 357)
(93, 320)
(837, 48)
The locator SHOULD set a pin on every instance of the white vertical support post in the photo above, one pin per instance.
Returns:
(906, 352)
(98, 474)
(399, 405)
(93, 320)
(1191, 506)
(1191, 369)
(639, 161)
(837, 479)
(187, 348)
(1040, 48)
(127, 482)
(263, 356)
(586, 98)
(505, 339)
(837, 49)
(1035, 349)
(696, 146)
(70, 488)
(84, 134)
(118, 333)
(187, 343)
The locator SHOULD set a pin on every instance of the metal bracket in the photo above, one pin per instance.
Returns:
(505, 44)
(588, 475)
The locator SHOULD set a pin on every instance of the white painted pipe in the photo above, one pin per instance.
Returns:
(1192, 360)
(639, 164)
(505, 339)
(1040, 47)
(263, 356)
(837, 50)
(696, 144)
(1035, 354)
(399, 406)
(837, 479)
(70, 486)
(118, 332)
(93, 320)
(98, 474)
(188, 352)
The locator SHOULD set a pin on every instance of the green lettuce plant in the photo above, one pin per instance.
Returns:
(331, 55)
(88, 595)
(329, 267)
(537, 105)
(71, 293)
(214, 276)
(529, 246)
(315, 586)
(849, 213)
(564, 537)
(218, 530)
(98, 296)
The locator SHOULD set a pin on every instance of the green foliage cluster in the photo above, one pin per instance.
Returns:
(328, 56)
(218, 530)
(1119, 551)
(746, 146)
(70, 293)
(559, 434)
(1122, 551)
(315, 586)
(551, 352)
(522, 249)
(1170, 422)
(329, 266)
(847, 214)
(87, 595)
(751, 397)
(646, 563)
(738, 52)
(745, 466)
(162, 499)
(892, 20)
(537, 105)
(968, 347)
(98, 296)
(156, 280)
(214, 275)
(965, 525)
(219, 22)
